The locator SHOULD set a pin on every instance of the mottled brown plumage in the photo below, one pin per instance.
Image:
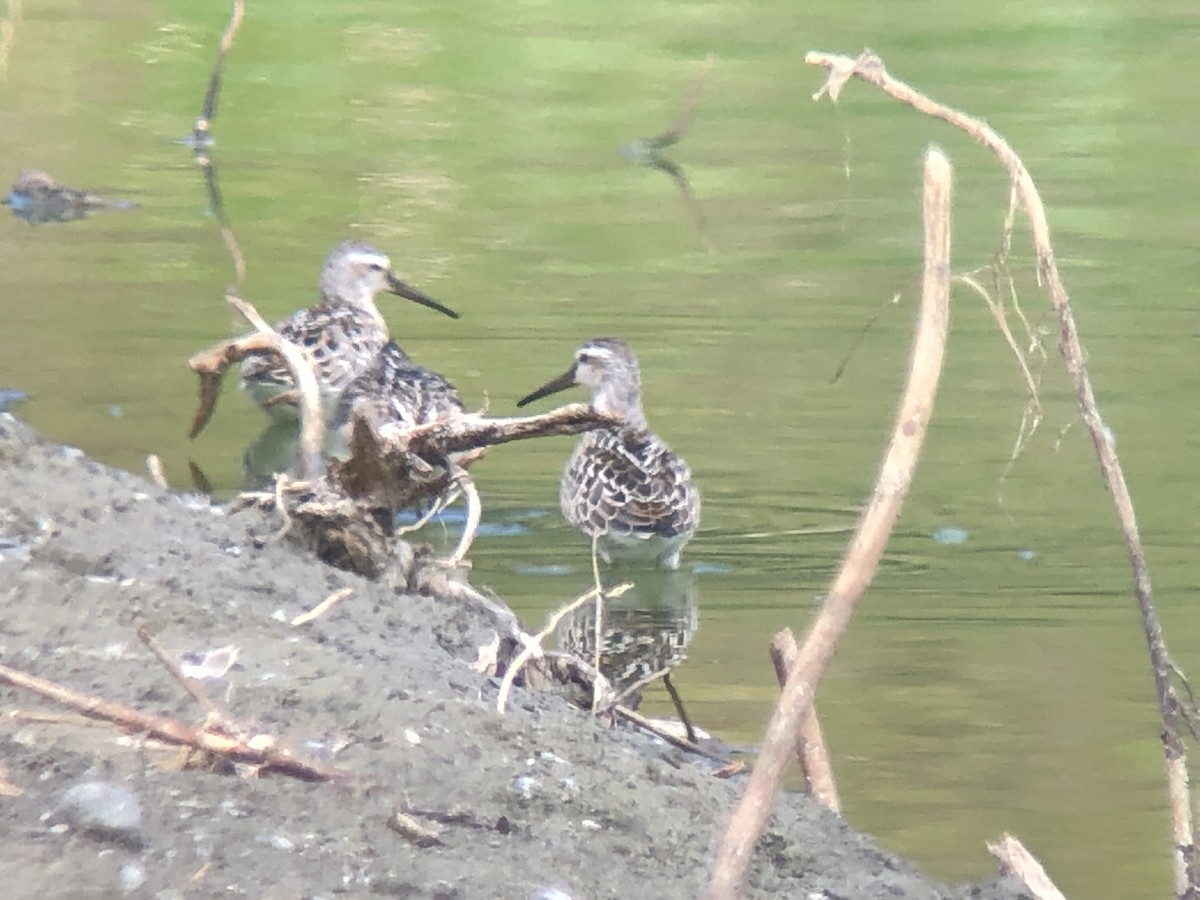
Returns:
(623, 486)
(344, 333)
(396, 392)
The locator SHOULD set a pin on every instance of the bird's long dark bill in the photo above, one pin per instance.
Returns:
(396, 286)
(561, 383)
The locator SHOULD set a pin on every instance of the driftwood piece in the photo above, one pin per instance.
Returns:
(811, 751)
(1177, 714)
(259, 750)
(402, 469)
(210, 366)
(866, 548)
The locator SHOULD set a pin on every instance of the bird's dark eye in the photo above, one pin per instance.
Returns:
(585, 358)
(377, 267)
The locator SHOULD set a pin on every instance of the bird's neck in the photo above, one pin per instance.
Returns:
(625, 405)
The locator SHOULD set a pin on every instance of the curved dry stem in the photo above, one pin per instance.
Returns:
(869, 67)
(312, 424)
(866, 549)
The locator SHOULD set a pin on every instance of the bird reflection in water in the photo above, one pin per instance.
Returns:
(648, 152)
(644, 633)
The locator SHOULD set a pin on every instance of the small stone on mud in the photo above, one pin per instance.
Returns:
(104, 810)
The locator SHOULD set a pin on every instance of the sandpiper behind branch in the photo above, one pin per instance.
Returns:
(344, 333)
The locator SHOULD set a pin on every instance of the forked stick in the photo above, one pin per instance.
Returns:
(1175, 714)
(866, 549)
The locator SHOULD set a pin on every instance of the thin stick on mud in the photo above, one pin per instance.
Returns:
(811, 752)
(312, 424)
(636, 718)
(215, 712)
(257, 751)
(866, 548)
(1175, 714)
(323, 607)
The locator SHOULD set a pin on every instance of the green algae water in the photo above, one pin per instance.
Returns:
(995, 677)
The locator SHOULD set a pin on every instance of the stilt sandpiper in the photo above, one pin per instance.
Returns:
(344, 333)
(623, 486)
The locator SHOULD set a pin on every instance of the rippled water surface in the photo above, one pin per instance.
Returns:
(995, 677)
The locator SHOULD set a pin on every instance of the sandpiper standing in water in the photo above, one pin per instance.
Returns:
(343, 334)
(623, 487)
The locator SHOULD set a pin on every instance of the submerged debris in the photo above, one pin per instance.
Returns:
(37, 197)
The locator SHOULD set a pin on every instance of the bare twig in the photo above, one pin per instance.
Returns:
(323, 607)
(862, 557)
(1018, 862)
(8, 35)
(1173, 713)
(474, 514)
(258, 751)
(216, 713)
(811, 751)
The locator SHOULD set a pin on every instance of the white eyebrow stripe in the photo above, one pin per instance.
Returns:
(359, 256)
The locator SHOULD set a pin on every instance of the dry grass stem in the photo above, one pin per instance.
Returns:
(323, 607)
(1174, 714)
(1018, 862)
(811, 752)
(463, 482)
(866, 548)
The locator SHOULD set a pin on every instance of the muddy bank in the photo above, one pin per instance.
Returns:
(543, 799)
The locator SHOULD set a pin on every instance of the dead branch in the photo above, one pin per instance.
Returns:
(1018, 862)
(402, 469)
(1173, 713)
(866, 548)
(259, 750)
(211, 365)
(811, 752)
